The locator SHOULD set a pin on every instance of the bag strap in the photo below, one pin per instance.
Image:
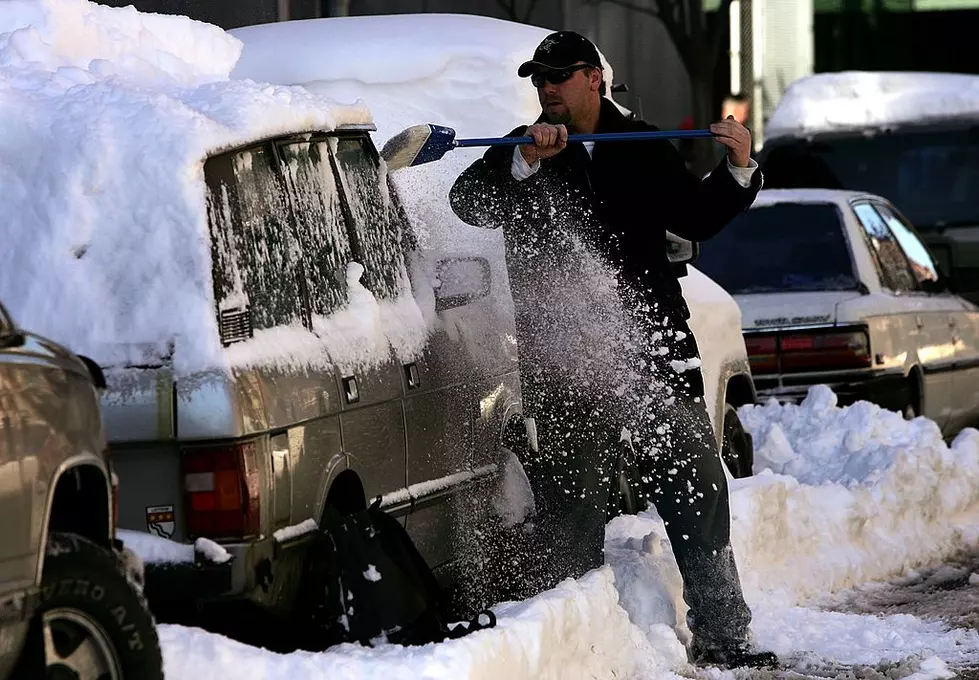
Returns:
(461, 629)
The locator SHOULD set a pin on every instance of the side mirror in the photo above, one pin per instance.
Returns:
(417, 145)
(461, 280)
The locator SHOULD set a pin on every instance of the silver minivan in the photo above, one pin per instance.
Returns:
(250, 458)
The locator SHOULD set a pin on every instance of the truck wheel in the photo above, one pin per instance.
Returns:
(738, 452)
(91, 621)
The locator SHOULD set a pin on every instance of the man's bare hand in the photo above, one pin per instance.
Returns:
(736, 138)
(549, 140)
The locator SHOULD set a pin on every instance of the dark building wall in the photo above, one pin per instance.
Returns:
(224, 13)
(893, 41)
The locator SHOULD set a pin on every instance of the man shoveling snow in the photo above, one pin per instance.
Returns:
(602, 327)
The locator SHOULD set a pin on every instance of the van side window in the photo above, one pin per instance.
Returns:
(894, 267)
(252, 243)
(377, 232)
(321, 229)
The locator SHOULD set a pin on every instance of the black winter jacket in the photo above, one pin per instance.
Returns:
(624, 199)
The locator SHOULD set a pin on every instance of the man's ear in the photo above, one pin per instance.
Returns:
(595, 77)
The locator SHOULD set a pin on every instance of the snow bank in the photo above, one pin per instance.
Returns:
(107, 116)
(845, 496)
(576, 630)
(852, 99)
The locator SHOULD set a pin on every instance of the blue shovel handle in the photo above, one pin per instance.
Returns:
(596, 137)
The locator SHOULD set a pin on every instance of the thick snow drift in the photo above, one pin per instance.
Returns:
(107, 117)
(853, 99)
(861, 494)
(872, 496)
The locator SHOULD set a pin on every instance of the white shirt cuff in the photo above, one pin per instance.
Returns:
(743, 175)
(520, 168)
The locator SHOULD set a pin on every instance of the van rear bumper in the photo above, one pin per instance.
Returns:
(246, 576)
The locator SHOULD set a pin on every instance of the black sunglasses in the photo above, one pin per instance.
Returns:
(557, 76)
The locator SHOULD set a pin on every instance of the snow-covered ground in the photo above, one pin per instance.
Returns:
(841, 497)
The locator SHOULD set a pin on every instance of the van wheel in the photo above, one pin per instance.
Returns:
(92, 622)
(738, 452)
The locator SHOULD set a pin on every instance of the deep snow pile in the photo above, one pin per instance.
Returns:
(849, 495)
(876, 495)
(851, 99)
(107, 116)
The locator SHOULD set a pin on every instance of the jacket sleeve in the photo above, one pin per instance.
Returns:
(697, 209)
(486, 193)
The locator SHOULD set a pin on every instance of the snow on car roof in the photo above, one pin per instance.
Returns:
(107, 114)
(850, 100)
(458, 70)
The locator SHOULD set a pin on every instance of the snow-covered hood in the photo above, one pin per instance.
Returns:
(776, 310)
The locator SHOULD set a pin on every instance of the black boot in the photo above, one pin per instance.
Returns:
(730, 655)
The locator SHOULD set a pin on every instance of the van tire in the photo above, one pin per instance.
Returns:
(738, 451)
(86, 598)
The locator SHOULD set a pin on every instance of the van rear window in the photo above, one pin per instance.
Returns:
(288, 216)
(781, 248)
(252, 243)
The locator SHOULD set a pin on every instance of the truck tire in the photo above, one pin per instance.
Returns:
(738, 452)
(92, 622)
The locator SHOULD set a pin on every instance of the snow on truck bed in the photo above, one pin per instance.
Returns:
(854, 99)
(107, 115)
(841, 496)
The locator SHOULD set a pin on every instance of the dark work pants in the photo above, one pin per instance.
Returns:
(682, 475)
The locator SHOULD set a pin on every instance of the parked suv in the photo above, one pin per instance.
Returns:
(69, 593)
(305, 236)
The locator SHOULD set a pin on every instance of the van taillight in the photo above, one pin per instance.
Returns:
(825, 351)
(221, 485)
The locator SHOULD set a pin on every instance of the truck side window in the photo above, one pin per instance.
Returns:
(894, 267)
(377, 233)
(252, 240)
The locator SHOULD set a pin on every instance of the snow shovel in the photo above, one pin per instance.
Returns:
(427, 143)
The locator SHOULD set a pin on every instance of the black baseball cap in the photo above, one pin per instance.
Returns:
(559, 51)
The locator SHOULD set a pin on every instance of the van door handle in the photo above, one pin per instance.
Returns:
(917, 320)
(412, 376)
